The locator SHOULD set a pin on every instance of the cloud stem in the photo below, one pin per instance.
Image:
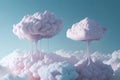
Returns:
(88, 51)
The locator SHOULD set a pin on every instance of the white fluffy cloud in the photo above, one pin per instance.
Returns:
(89, 70)
(78, 54)
(86, 29)
(3, 71)
(58, 71)
(37, 26)
(13, 77)
(114, 61)
(116, 74)
(101, 57)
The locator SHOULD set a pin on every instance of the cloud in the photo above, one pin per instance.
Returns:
(53, 57)
(89, 70)
(14, 61)
(58, 71)
(78, 54)
(86, 29)
(19, 62)
(100, 56)
(3, 70)
(116, 74)
(114, 61)
(12, 77)
(38, 26)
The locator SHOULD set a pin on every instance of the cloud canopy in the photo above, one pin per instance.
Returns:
(86, 29)
(38, 26)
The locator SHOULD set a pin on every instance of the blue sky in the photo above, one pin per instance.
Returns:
(106, 12)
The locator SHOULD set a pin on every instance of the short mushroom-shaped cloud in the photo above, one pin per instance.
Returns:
(38, 26)
(86, 30)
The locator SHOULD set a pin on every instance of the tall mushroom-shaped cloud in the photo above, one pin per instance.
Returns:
(38, 26)
(86, 30)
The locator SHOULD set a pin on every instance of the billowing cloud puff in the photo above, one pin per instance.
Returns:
(101, 57)
(57, 58)
(81, 55)
(112, 59)
(78, 54)
(115, 60)
(89, 70)
(37, 26)
(58, 71)
(12, 77)
(116, 75)
(19, 62)
(85, 30)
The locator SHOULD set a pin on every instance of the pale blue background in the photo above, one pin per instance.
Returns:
(106, 12)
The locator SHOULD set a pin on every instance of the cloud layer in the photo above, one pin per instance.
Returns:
(53, 66)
